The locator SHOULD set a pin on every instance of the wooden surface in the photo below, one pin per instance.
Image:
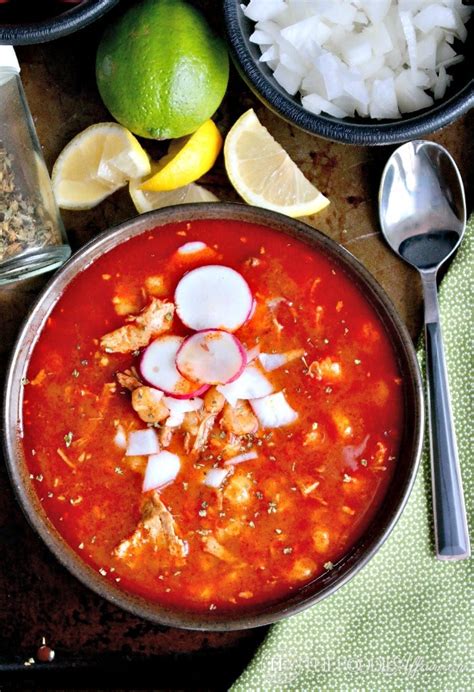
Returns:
(38, 597)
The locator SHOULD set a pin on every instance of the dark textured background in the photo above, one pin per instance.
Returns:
(96, 644)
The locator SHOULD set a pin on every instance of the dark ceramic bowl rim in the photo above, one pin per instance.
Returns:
(411, 126)
(371, 540)
(67, 22)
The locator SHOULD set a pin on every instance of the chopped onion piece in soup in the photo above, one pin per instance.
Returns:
(178, 407)
(247, 456)
(142, 443)
(120, 438)
(161, 469)
(252, 353)
(273, 361)
(273, 411)
(215, 477)
(183, 405)
(252, 384)
(192, 248)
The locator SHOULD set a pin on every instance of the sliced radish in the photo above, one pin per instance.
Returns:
(161, 469)
(192, 248)
(273, 411)
(251, 384)
(213, 297)
(158, 369)
(215, 477)
(211, 356)
(273, 361)
(240, 458)
(142, 443)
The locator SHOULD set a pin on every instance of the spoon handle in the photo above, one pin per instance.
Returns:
(450, 523)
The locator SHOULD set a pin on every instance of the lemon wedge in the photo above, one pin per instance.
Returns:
(146, 201)
(263, 173)
(187, 159)
(96, 162)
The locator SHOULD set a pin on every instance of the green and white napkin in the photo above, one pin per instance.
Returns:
(405, 622)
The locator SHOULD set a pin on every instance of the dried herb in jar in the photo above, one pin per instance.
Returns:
(24, 221)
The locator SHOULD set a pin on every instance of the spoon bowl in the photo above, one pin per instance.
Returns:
(422, 204)
(422, 212)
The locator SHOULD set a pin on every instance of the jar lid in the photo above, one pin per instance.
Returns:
(8, 58)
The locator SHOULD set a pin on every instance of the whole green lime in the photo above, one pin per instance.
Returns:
(161, 71)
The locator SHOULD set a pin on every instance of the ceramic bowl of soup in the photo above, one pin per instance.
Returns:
(214, 416)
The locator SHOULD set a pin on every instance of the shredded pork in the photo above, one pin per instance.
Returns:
(128, 381)
(157, 527)
(213, 401)
(203, 433)
(216, 549)
(154, 320)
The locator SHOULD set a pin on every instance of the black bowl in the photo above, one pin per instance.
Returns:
(458, 99)
(66, 22)
(385, 516)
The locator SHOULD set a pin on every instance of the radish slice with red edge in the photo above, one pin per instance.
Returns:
(158, 369)
(213, 297)
(211, 356)
(161, 469)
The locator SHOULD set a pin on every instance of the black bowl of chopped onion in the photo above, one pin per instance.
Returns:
(362, 72)
(24, 23)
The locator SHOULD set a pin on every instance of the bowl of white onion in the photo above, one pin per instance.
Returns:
(357, 71)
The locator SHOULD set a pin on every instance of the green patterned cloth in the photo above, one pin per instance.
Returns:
(405, 622)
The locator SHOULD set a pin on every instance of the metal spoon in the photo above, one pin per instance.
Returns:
(423, 217)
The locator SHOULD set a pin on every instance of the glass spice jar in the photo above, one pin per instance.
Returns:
(32, 235)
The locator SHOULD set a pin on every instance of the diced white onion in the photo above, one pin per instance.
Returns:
(273, 411)
(252, 353)
(247, 456)
(192, 247)
(178, 407)
(251, 384)
(261, 11)
(183, 405)
(273, 361)
(174, 420)
(161, 469)
(215, 477)
(120, 438)
(345, 58)
(142, 443)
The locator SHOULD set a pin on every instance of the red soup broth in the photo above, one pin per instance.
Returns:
(277, 521)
